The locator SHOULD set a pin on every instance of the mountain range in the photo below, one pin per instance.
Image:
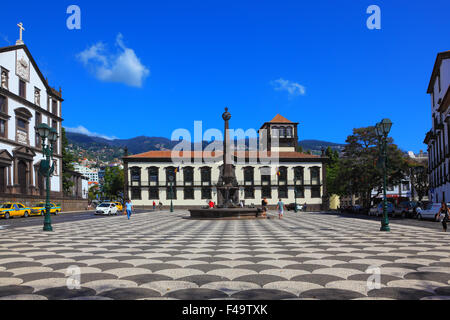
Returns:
(142, 144)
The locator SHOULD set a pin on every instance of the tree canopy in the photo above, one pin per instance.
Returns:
(359, 172)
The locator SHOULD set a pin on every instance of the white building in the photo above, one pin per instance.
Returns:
(438, 137)
(398, 193)
(147, 174)
(91, 174)
(84, 188)
(26, 100)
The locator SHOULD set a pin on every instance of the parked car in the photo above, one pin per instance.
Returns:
(106, 208)
(373, 211)
(352, 209)
(14, 209)
(39, 209)
(406, 209)
(430, 211)
(378, 210)
(291, 206)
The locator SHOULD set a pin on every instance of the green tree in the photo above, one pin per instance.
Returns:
(67, 167)
(114, 180)
(419, 178)
(93, 192)
(334, 186)
(358, 171)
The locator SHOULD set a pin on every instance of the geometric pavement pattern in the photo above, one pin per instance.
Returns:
(159, 255)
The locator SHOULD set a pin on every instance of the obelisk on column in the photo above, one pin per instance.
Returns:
(227, 162)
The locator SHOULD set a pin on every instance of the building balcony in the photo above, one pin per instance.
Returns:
(242, 183)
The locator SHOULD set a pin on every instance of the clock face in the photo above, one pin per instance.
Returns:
(22, 66)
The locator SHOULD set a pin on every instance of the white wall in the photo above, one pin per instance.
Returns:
(8, 61)
(214, 179)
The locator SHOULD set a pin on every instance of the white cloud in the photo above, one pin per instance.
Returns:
(293, 88)
(83, 130)
(123, 67)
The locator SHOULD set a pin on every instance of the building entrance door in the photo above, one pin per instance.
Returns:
(2, 179)
(22, 173)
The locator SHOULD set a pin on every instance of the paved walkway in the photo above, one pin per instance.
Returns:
(159, 255)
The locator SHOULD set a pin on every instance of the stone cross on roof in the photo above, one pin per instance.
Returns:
(20, 25)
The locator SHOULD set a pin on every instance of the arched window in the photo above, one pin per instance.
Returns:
(275, 132)
(289, 132)
(205, 173)
(299, 175)
(23, 116)
(282, 175)
(188, 175)
(315, 175)
(153, 176)
(170, 172)
(249, 175)
(135, 173)
(266, 189)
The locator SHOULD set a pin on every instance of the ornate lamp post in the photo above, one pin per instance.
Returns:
(382, 130)
(47, 167)
(295, 197)
(171, 192)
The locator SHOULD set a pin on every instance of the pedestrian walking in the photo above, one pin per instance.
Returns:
(280, 207)
(160, 205)
(154, 205)
(445, 211)
(130, 208)
(264, 204)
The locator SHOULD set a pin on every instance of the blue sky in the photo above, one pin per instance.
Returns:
(150, 67)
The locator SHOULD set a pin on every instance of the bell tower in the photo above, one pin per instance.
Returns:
(281, 134)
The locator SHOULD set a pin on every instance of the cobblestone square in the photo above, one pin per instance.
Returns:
(160, 255)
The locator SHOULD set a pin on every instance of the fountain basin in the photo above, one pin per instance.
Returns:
(226, 213)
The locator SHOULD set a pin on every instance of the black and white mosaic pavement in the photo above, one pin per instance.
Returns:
(159, 255)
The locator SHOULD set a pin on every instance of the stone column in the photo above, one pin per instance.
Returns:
(125, 173)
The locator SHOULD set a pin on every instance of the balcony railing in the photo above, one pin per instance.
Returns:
(241, 183)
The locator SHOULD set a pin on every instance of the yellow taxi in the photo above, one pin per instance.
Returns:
(14, 209)
(119, 206)
(39, 209)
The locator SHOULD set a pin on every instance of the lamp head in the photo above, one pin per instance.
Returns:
(378, 130)
(386, 126)
(53, 135)
(43, 130)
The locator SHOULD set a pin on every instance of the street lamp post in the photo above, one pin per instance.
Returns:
(382, 130)
(171, 192)
(295, 200)
(47, 167)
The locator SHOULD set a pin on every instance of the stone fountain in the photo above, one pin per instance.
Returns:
(227, 188)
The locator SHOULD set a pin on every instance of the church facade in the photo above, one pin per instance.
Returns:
(158, 176)
(26, 100)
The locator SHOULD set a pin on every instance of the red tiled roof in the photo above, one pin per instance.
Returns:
(199, 154)
(280, 119)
